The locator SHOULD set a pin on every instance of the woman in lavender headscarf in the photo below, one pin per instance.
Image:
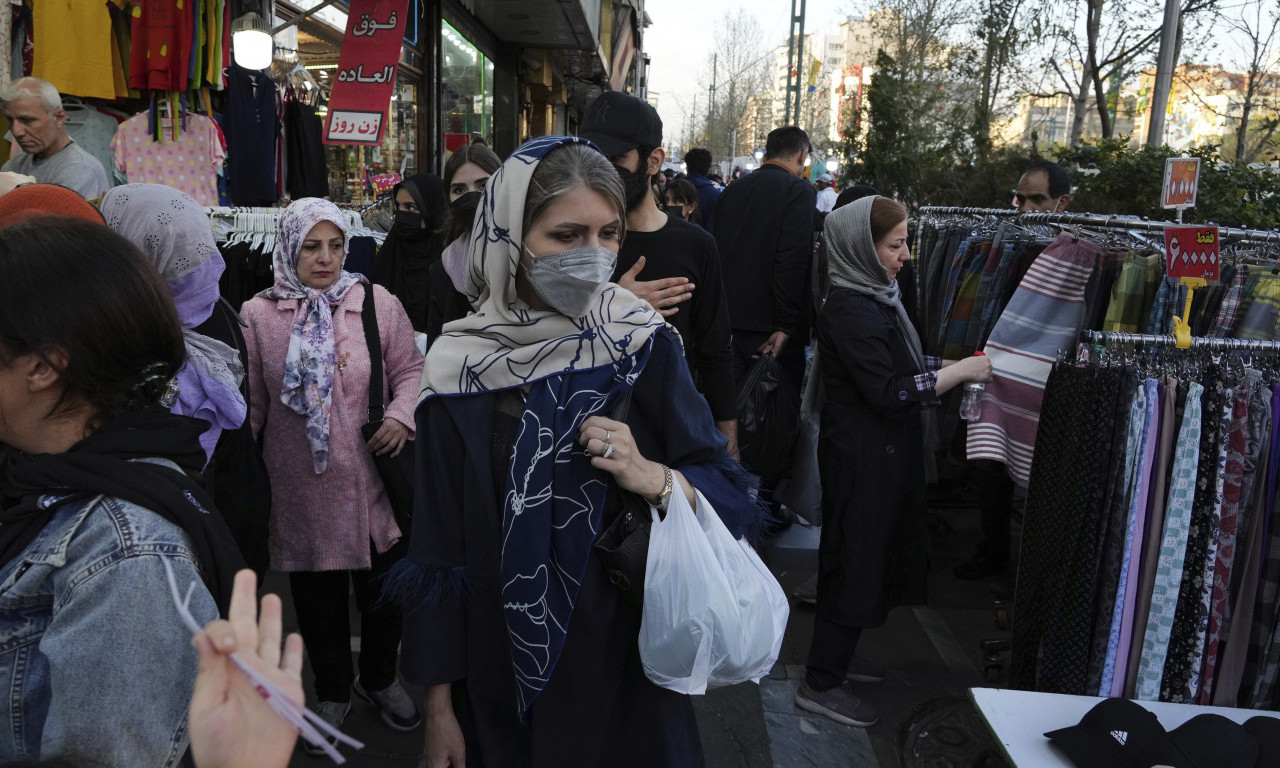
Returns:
(173, 232)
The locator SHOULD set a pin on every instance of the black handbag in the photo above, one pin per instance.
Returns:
(623, 546)
(396, 471)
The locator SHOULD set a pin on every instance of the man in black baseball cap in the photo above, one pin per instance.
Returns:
(678, 260)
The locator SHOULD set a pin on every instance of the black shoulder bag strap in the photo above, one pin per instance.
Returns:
(369, 319)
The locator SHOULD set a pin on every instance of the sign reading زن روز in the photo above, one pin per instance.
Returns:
(1181, 182)
(1192, 252)
(366, 75)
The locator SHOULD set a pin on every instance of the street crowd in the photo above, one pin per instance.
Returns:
(543, 341)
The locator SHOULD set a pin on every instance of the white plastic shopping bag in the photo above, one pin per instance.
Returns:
(686, 599)
(750, 648)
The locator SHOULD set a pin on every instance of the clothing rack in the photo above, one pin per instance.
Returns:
(947, 210)
(1098, 220)
(1197, 342)
(1120, 222)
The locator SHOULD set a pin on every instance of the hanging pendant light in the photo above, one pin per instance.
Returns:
(251, 41)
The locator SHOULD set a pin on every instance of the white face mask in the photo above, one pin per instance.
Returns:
(569, 281)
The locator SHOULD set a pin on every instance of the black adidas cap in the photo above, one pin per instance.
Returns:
(1213, 741)
(1117, 733)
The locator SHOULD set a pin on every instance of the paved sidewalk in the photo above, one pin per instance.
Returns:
(926, 720)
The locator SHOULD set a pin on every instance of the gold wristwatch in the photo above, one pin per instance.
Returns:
(663, 499)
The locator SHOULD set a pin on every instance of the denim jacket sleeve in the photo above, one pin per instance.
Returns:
(128, 701)
(101, 668)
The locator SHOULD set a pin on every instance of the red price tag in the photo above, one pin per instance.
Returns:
(384, 182)
(1193, 252)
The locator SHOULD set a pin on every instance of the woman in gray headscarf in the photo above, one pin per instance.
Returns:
(873, 449)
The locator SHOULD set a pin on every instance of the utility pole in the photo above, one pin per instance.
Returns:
(711, 105)
(795, 57)
(1164, 74)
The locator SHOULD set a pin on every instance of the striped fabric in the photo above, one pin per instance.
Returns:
(1042, 318)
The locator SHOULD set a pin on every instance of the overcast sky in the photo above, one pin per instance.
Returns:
(682, 36)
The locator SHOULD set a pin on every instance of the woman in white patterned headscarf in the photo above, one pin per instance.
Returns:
(507, 606)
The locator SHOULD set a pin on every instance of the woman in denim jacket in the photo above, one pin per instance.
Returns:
(97, 665)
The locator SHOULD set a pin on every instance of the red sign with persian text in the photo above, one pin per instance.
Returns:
(366, 76)
(1192, 252)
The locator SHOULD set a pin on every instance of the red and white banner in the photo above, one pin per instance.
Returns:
(366, 77)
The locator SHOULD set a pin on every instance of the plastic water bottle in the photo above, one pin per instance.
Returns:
(971, 403)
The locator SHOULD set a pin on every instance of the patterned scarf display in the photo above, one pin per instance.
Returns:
(309, 364)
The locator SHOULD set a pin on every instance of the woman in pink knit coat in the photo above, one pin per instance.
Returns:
(332, 525)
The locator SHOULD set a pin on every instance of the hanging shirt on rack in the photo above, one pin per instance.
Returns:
(73, 48)
(92, 130)
(250, 125)
(162, 35)
(188, 163)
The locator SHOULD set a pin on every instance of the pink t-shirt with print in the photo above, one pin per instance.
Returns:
(189, 163)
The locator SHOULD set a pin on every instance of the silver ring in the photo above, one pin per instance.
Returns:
(607, 435)
(607, 452)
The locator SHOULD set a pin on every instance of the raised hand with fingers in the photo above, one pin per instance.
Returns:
(232, 725)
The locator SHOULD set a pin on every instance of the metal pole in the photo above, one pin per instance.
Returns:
(1164, 73)
(711, 106)
(799, 54)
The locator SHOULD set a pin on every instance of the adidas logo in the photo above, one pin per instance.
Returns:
(1120, 736)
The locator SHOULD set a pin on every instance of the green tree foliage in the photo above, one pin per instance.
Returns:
(1109, 177)
(926, 161)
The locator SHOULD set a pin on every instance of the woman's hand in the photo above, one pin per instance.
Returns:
(390, 438)
(976, 368)
(613, 449)
(445, 747)
(232, 726)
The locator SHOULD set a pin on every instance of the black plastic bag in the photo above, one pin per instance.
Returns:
(768, 411)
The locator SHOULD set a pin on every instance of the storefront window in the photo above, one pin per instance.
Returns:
(351, 167)
(466, 90)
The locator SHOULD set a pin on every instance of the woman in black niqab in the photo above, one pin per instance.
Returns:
(403, 265)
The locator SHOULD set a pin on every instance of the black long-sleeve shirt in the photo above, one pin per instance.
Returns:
(764, 232)
(681, 249)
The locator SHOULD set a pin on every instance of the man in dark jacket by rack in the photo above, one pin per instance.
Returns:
(764, 230)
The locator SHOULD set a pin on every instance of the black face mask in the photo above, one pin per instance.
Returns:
(635, 185)
(464, 210)
(409, 225)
